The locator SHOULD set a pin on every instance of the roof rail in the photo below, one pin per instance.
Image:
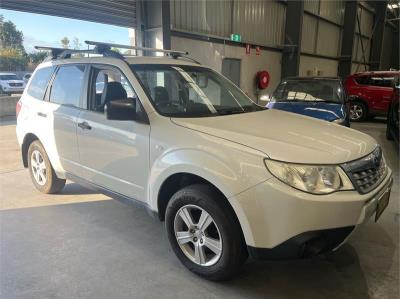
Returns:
(173, 53)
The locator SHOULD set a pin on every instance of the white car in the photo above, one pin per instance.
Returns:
(9, 83)
(228, 177)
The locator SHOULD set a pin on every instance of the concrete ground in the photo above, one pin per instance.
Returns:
(82, 245)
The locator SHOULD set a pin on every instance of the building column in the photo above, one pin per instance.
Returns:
(377, 35)
(292, 46)
(154, 23)
(349, 29)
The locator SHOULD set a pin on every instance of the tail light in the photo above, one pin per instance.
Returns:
(18, 107)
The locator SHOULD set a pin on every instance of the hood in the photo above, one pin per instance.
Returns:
(286, 136)
(321, 110)
(13, 81)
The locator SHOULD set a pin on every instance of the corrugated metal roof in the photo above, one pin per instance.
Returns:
(113, 12)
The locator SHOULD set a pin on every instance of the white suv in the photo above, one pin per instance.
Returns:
(230, 178)
(9, 83)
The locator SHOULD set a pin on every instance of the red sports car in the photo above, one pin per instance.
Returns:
(370, 93)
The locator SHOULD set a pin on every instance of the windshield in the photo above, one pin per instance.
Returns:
(8, 77)
(191, 91)
(309, 91)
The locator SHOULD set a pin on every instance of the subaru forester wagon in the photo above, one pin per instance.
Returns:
(230, 179)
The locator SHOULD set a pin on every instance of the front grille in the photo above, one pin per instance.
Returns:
(366, 173)
(15, 84)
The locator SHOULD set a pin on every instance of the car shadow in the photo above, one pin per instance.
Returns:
(335, 275)
(130, 247)
(71, 188)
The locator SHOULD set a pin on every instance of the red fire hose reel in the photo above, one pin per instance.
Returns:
(262, 79)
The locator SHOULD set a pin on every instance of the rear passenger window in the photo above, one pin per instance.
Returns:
(364, 80)
(67, 85)
(383, 81)
(39, 82)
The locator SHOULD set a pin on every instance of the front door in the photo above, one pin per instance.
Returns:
(113, 154)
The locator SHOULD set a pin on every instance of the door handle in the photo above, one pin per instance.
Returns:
(84, 126)
(41, 114)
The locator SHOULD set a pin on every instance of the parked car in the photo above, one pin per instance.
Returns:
(26, 77)
(318, 97)
(370, 93)
(9, 83)
(228, 177)
(392, 125)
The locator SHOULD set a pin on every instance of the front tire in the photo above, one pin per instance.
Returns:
(204, 234)
(42, 173)
(358, 111)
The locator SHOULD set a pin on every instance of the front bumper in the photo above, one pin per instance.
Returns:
(273, 213)
(12, 89)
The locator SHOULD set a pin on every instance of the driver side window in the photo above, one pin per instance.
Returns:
(108, 84)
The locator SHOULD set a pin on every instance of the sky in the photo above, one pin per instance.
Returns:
(48, 30)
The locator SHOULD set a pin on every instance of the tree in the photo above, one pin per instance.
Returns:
(12, 52)
(12, 60)
(10, 37)
(76, 44)
(65, 42)
(37, 57)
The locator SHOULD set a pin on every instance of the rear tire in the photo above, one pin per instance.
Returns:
(216, 252)
(42, 173)
(358, 111)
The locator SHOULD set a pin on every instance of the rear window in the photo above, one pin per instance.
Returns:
(376, 81)
(39, 82)
(321, 90)
(67, 86)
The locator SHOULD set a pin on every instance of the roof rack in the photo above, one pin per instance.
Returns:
(172, 53)
(62, 52)
(105, 49)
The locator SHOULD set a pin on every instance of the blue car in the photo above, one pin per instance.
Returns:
(318, 97)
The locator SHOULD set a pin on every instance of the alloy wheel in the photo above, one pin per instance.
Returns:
(38, 167)
(356, 112)
(198, 235)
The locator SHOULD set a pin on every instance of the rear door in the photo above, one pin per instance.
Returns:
(65, 97)
(36, 109)
(113, 154)
(380, 91)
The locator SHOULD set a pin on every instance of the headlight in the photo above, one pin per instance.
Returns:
(315, 179)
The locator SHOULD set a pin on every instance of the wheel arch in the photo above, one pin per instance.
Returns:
(28, 139)
(356, 98)
(180, 180)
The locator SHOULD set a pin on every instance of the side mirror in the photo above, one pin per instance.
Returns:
(124, 109)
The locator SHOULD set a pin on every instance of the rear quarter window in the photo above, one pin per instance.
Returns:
(39, 82)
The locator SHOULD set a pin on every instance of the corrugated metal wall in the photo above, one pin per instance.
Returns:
(261, 22)
(328, 39)
(363, 40)
(257, 21)
(308, 34)
(318, 35)
(389, 48)
(205, 16)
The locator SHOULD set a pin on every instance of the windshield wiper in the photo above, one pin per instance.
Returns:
(230, 111)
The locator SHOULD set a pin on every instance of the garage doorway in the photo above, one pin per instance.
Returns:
(231, 69)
